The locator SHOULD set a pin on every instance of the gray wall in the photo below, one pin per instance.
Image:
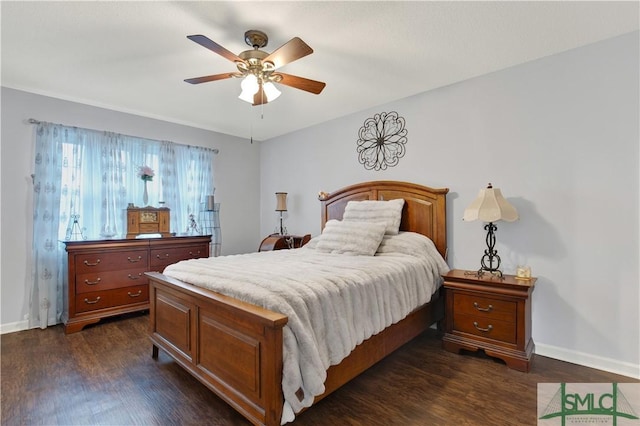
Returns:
(236, 181)
(560, 137)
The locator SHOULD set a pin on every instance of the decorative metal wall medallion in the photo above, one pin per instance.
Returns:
(381, 141)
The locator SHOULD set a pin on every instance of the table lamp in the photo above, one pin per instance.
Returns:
(490, 206)
(281, 206)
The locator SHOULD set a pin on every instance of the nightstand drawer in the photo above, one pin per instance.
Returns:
(484, 307)
(489, 328)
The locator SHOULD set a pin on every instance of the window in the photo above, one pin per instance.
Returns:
(92, 176)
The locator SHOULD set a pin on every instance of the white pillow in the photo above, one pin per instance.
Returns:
(355, 238)
(389, 212)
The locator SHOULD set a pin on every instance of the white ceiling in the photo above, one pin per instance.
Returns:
(134, 56)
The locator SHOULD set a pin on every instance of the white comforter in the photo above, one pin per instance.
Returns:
(333, 301)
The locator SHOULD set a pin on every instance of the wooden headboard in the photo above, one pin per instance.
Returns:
(424, 212)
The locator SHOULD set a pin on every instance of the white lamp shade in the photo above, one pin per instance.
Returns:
(490, 206)
(281, 201)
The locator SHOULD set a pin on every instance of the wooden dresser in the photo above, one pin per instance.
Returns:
(106, 277)
(489, 313)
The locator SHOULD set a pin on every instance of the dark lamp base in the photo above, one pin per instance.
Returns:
(490, 261)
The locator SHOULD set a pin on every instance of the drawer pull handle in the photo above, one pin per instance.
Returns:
(87, 282)
(475, 305)
(134, 295)
(485, 330)
(92, 302)
(165, 256)
(91, 264)
(133, 277)
(197, 253)
(134, 260)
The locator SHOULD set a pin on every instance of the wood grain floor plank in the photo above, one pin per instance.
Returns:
(105, 375)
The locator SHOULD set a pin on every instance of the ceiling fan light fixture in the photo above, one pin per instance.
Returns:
(271, 91)
(249, 87)
(258, 69)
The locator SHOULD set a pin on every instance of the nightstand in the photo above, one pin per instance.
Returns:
(279, 242)
(490, 313)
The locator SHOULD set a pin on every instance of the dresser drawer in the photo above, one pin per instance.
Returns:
(160, 257)
(483, 306)
(108, 298)
(489, 328)
(111, 261)
(98, 281)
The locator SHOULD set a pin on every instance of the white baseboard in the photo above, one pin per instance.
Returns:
(593, 361)
(14, 326)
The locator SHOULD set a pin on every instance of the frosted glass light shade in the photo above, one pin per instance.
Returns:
(490, 206)
(249, 87)
(271, 92)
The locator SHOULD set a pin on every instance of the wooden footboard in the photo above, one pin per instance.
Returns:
(235, 348)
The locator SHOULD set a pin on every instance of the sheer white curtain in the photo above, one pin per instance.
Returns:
(46, 291)
(187, 184)
(90, 177)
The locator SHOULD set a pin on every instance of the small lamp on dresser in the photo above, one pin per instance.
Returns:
(490, 206)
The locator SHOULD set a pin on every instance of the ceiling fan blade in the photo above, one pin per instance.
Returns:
(291, 51)
(214, 47)
(302, 83)
(208, 78)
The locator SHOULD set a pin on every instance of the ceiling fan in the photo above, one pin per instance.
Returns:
(259, 68)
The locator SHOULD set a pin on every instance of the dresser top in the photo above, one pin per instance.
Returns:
(131, 242)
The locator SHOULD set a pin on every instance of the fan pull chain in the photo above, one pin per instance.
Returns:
(251, 113)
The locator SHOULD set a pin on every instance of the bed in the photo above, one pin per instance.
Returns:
(235, 348)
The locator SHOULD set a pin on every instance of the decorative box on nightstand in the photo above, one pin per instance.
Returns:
(490, 313)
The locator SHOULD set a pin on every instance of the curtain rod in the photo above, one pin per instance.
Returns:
(34, 121)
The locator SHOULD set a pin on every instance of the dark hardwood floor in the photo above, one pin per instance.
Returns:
(104, 375)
